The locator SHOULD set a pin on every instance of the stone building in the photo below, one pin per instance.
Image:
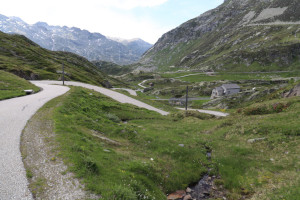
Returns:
(225, 90)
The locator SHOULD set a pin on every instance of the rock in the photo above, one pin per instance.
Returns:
(28, 91)
(147, 89)
(255, 140)
(177, 195)
(293, 92)
(106, 84)
(188, 190)
(187, 197)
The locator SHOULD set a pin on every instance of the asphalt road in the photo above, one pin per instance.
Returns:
(110, 93)
(14, 114)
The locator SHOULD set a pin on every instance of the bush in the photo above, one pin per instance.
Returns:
(121, 192)
(279, 107)
(259, 110)
(264, 109)
(190, 113)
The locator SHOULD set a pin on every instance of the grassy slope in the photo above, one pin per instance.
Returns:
(13, 86)
(127, 171)
(28, 60)
(240, 52)
(264, 169)
(268, 167)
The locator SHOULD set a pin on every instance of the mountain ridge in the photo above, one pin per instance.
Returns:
(235, 33)
(93, 46)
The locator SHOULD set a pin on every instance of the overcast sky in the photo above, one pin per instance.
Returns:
(145, 19)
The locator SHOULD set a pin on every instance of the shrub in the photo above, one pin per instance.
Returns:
(122, 192)
(190, 113)
(279, 107)
(259, 110)
(264, 109)
(113, 117)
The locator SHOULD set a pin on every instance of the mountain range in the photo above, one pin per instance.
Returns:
(93, 46)
(239, 35)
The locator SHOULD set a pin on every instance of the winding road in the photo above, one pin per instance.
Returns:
(110, 93)
(14, 114)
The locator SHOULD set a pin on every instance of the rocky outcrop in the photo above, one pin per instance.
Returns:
(293, 92)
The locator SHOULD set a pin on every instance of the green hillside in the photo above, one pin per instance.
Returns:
(13, 86)
(112, 68)
(26, 59)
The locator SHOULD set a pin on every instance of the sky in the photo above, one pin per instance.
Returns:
(127, 19)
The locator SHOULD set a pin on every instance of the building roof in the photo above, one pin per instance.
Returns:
(219, 89)
(230, 86)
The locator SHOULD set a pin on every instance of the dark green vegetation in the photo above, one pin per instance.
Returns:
(26, 59)
(13, 86)
(124, 152)
(112, 68)
(233, 37)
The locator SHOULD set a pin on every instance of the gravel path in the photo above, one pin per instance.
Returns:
(141, 83)
(215, 113)
(112, 94)
(14, 114)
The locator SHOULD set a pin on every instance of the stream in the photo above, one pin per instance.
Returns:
(198, 191)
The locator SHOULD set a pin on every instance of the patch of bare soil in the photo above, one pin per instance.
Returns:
(47, 174)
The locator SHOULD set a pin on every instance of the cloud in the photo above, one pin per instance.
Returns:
(114, 18)
(108, 17)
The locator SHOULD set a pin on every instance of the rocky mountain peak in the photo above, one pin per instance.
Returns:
(93, 46)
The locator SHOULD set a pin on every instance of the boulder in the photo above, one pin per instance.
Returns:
(106, 84)
(293, 92)
(176, 195)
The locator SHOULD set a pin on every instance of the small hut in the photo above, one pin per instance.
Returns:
(225, 90)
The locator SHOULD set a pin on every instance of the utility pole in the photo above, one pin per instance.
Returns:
(63, 74)
(186, 98)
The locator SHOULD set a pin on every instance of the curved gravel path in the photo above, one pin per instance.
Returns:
(14, 114)
(110, 93)
(141, 83)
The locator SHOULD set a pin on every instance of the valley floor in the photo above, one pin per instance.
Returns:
(120, 151)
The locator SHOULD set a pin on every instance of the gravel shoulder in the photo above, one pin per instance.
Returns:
(47, 174)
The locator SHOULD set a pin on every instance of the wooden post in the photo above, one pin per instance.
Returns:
(186, 98)
(63, 74)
